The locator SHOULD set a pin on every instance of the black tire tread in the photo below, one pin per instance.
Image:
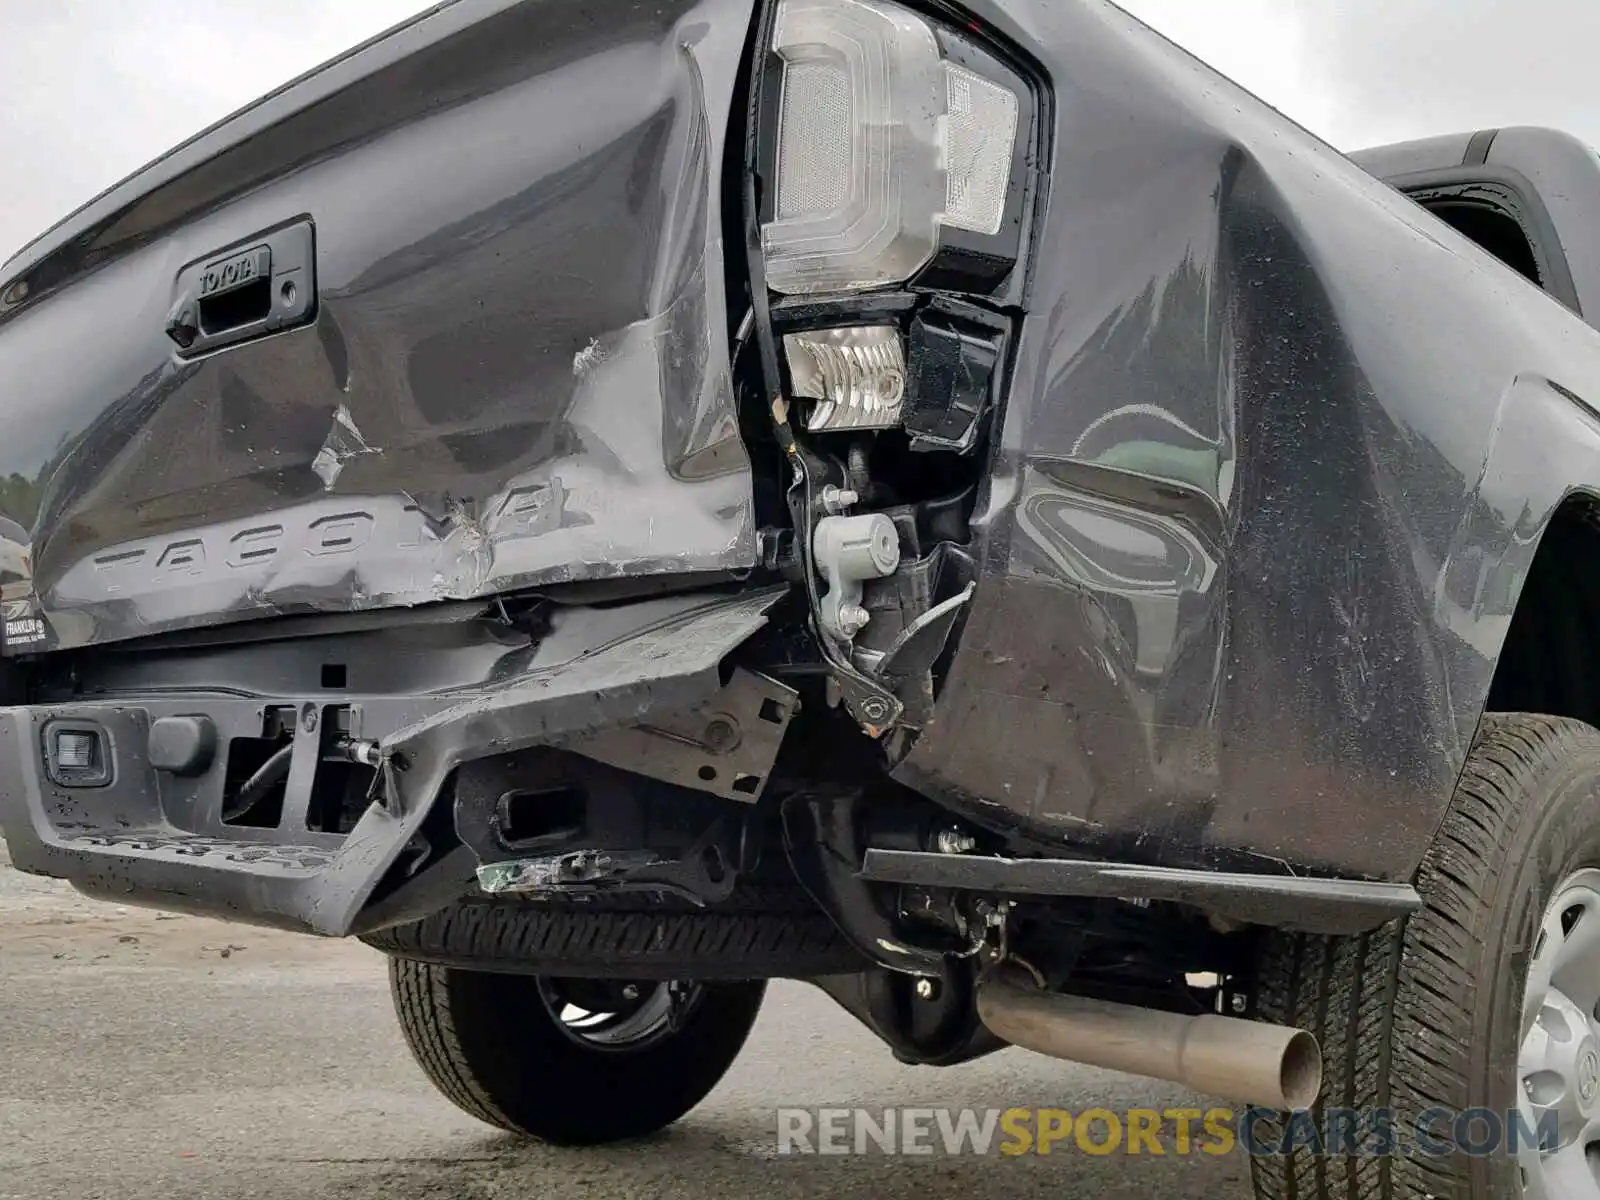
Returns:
(658, 943)
(422, 1006)
(492, 1048)
(1389, 1007)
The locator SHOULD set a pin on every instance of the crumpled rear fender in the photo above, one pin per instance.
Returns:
(1276, 449)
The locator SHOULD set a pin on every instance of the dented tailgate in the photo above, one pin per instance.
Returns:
(443, 319)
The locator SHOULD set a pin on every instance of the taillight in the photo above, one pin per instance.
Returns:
(884, 145)
(895, 154)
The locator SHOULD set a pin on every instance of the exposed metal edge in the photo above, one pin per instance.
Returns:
(726, 745)
(1283, 901)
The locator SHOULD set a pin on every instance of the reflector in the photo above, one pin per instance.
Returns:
(978, 134)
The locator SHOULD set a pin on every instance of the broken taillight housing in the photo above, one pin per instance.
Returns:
(883, 145)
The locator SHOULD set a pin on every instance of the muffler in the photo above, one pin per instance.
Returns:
(1274, 1066)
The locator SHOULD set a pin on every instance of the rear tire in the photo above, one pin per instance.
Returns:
(493, 1046)
(1428, 1013)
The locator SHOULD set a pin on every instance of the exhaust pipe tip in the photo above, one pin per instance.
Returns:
(1274, 1066)
(1300, 1071)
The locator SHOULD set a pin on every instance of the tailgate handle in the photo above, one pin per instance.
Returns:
(259, 286)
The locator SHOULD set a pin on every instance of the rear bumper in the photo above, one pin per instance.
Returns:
(157, 837)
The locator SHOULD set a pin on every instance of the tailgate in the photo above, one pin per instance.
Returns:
(442, 319)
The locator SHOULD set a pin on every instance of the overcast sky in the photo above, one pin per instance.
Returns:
(95, 88)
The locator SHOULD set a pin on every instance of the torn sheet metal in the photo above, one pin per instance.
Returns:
(518, 373)
(655, 666)
(344, 442)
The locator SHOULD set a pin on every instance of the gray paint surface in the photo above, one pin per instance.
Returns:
(518, 370)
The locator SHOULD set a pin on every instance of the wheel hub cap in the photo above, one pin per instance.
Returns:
(606, 1015)
(1558, 1064)
(1588, 1074)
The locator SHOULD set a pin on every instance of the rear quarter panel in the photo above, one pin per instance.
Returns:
(1277, 450)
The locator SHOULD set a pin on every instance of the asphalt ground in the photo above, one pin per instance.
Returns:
(148, 1055)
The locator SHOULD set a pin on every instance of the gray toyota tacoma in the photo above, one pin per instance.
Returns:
(950, 500)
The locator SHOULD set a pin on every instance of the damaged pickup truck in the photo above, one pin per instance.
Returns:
(955, 502)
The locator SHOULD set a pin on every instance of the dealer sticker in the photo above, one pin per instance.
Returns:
(25, 626)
